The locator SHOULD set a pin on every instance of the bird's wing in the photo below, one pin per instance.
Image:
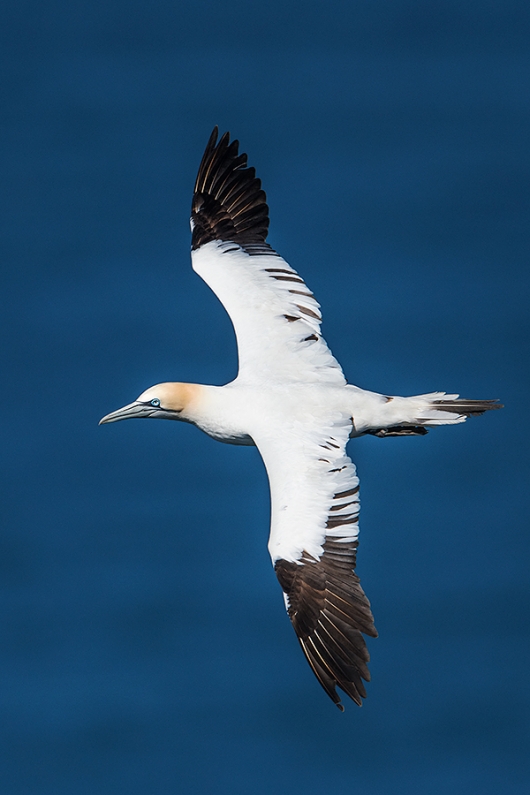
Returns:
(275, 316)
(313, 545)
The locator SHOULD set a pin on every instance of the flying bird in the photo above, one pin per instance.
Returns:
(292, 401)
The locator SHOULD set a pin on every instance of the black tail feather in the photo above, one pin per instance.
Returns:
(468, 408)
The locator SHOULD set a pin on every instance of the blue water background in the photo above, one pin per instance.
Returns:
(143, 643)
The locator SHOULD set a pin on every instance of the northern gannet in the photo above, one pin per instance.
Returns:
(292, 401)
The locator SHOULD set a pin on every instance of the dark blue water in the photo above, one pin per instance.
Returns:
(143, 643)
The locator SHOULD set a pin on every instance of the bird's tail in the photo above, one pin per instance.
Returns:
(413, 416)
(441, 409)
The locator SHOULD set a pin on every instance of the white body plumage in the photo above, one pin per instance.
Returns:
(292, 401)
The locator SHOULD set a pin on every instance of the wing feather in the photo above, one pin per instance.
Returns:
(313, 545)
(275, 316)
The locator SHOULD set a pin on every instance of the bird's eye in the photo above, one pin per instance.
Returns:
(155, 402)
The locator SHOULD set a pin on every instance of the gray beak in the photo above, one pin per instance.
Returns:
(132, 411)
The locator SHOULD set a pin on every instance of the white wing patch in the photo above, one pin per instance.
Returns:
(313, 545)
(275, 316)
(314, 487)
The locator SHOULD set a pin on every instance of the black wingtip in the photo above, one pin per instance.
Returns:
(329, 613)
(210, 146)
(213, 137)
(228, 202)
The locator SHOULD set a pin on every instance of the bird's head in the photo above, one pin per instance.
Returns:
(170, 401)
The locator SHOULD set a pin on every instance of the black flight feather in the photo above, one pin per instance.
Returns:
(228, 202)
(329, 611)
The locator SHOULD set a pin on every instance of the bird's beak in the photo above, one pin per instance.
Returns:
(131, 411)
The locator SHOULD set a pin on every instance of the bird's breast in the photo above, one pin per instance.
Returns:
(223, 414)
(237, 414)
